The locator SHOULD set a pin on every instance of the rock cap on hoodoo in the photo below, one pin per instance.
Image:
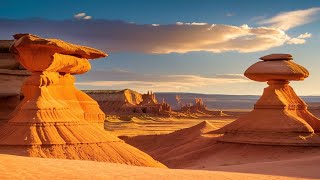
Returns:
(277, 57)
(57, 46)
(278, 67)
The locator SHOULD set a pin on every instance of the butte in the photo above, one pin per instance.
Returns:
(56, 120)
(279, 117)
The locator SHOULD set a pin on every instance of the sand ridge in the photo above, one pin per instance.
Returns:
(15, 167)
(192, 149)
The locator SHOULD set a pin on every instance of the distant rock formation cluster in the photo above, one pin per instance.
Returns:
(149, 99)
(279, 117)
(127, 101)
(12, 76)
(55, 119)
(198, 108)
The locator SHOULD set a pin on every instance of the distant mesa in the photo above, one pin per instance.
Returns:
(56, 120)
(279, 117)
(128, 102)
(200, 109)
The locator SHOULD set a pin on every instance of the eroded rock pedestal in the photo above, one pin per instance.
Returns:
(55, 119)
(279, 117)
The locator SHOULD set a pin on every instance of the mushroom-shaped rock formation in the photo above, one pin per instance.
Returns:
(279, 117)
(55, 119)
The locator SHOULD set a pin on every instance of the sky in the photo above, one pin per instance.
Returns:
(199, 46)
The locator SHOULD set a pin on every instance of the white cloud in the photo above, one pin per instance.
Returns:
(192, 24)
(300, 39)
(229, 14)
(291, 19)
(82, 15)
(296, 41)
(198, 23)
(87, 17)
(305, 35)
(79, 15)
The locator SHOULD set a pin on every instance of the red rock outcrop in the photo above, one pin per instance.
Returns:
(128, 102)
(198, 109)
(55, 119)
(279, 117)
(149, 99)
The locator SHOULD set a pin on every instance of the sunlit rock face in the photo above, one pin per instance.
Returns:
(12, 76)
(55, 119)
(129, 102)
(279, 117)
(198, 106)
(53, 64)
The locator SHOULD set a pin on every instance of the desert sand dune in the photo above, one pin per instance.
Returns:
(192, 148)
(173, 148)
(146, 125)
(15, 167)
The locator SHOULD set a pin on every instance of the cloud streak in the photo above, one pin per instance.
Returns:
(300, 39)
(291, 19)
(121, 79)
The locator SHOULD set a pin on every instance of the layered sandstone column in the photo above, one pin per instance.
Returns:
(55, 119)
(279, 117)
(53, 64)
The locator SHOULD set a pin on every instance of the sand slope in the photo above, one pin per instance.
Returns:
(175, 149)
(190, 148)
(17, 167)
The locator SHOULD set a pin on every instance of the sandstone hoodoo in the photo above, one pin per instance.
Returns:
(279, 117)
(55, 119)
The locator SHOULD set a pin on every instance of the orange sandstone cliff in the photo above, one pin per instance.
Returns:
(55, 119)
